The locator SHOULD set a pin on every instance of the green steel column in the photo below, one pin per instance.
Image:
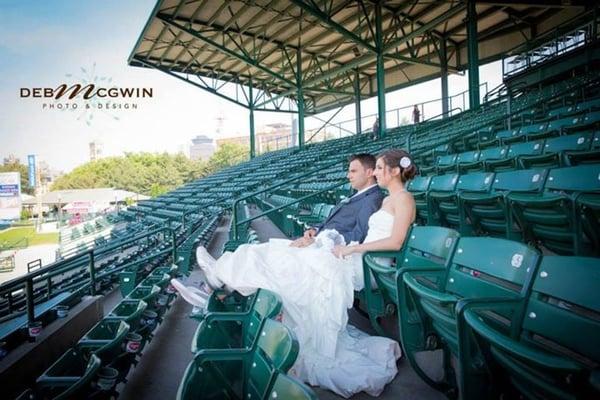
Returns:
(251, 108)
(300, 99)
(444, 64)
(380, 69)
(473, 54)
(357, 102)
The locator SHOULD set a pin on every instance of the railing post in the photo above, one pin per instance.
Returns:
(30, 301)
(92, 273)
(174, 250)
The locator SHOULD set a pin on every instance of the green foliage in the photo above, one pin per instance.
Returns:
(149, 173)
(25, 214)
(22, 169)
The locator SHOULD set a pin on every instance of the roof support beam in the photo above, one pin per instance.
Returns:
(231, 53)
(473, 51)
(168, 72)
(380, 72)
(426, 27)
(326, 19)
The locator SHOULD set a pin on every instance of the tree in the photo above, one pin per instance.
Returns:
(151, 174)
(23, 171)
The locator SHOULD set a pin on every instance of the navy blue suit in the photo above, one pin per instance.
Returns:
(351, 217)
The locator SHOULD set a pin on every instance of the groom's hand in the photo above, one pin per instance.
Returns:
(302, 242)
(310, 233)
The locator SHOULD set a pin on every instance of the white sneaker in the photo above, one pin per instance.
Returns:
(207, 264)
(195, 296)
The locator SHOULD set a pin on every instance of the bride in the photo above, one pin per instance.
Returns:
(317, 285)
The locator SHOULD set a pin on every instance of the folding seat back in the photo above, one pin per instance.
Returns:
(468, 157)
(576, 142)
(591, 119)
(418, 187)
(555, 148)
(489, 213)
(530, 180)
(69, 377)
(551, 350)
(489, 267)
(277, 350)
(516, 150)
(526, 149)
(105, 339)
(562, 111)
(581, 178)
(446, 163)
(506, 134)
(533, 129)
(564, 123)
(440, 196)
(231, 329)
(288, 388)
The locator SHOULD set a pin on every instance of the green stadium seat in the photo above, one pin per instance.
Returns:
(446, 163)
(548, 345)
(426, 253)
(466, 159)
(105, 339)
(515, 151)
(501, 137)
(221, 301)
(445, 207)
(489, 213)
(532, 132)
(441, 186)
(425, 246)
(554, 150)
(418, 187)
(489, 154)
(129, 311)
(70, 377)
(551, 218)
(288, 388)
(479, 268)
(222, 330)
(241, 373)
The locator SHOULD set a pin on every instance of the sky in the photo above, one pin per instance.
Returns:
(45, 43)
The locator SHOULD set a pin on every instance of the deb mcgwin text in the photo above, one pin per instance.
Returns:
(86, 92)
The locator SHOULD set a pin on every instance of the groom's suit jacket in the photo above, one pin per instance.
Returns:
(351, 217)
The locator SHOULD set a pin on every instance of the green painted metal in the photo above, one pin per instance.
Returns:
(444, 77)
(357, 102)
(326, 19)
(380, 70)
(243, 58)
(473, 51)
(251, 108)
(300, 98)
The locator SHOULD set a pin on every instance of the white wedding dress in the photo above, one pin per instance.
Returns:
(317, 290)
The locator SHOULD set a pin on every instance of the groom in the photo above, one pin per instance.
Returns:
(350, 218)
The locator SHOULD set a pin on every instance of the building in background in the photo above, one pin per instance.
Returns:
(202, 148)
(96, 150)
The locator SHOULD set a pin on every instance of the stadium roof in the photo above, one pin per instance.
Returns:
(262, 43)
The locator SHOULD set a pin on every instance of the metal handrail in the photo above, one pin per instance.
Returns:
(285, 182)
(46, 273)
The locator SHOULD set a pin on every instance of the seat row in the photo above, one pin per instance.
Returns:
(518, 323)
(581, 147)
(104, 355)
(242, 352)
(558, 208)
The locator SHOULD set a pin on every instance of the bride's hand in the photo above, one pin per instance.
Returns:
(342, 251)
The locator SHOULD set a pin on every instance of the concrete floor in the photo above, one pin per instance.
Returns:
(163, 363)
